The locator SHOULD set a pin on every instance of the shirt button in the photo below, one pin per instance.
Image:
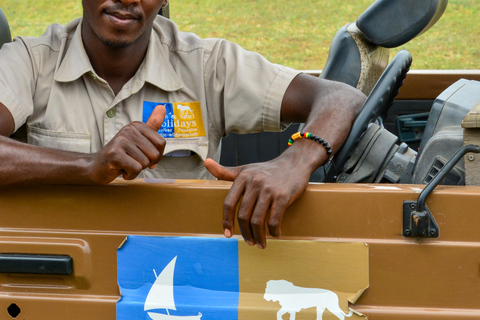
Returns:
(111, 113)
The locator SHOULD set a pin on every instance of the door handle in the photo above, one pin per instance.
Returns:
(36, 264)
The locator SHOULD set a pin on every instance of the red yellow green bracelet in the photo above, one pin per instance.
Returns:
(311, 136)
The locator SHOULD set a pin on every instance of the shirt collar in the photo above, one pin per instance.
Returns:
(75, 61)
(158, 69)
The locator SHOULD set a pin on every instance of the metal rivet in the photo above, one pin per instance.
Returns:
(412, 206)
(471, 157)
(111, 113)
(433, 232)
(407, 232)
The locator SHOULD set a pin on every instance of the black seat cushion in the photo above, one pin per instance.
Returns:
(392, 23)
(5, 35)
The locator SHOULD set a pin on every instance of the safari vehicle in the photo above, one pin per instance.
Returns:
(415, 247)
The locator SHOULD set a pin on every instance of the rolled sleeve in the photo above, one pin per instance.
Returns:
(274, 98)
(16, 81)
(245, 89)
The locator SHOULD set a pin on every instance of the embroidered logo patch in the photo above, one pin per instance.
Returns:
(183, 119)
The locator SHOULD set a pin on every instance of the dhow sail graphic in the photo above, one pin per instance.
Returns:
(160, 296)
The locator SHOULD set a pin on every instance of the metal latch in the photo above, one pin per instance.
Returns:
(417, 219)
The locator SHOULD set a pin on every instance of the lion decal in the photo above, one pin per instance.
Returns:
(292, 299)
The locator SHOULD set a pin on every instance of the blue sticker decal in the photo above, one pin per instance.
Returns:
(178, 277)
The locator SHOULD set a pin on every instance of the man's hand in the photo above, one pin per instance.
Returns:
(264, 191)
(135, 147)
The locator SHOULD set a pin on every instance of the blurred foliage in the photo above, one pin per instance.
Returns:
(292, 33)
(32, 17)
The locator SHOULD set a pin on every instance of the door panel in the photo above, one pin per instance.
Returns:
(435, 278)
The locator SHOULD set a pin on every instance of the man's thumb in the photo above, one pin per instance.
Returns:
(220, 172)
(157, 117)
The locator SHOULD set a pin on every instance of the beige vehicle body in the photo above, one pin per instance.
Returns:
(410, 278)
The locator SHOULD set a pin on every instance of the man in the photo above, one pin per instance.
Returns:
(83, 89)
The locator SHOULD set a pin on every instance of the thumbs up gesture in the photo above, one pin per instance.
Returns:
(135, 147)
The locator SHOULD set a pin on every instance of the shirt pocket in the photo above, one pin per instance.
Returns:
(67, 141)
(190, 167)
(198, 145)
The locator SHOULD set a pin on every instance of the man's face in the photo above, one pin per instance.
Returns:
(119, 23)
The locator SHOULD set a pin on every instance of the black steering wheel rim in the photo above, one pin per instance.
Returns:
(377, 104)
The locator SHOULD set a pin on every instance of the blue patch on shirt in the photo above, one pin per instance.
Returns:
(168, 128)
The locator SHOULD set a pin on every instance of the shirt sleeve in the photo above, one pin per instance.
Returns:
(17, 80)
(244, 89)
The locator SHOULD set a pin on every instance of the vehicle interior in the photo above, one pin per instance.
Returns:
(400, 142)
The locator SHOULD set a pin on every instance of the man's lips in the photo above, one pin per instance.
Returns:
(122, 15)
(122, 18)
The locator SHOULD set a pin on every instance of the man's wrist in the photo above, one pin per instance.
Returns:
(307, 154)
(310, 136)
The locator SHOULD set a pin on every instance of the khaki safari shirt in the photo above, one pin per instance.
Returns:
(210, 87)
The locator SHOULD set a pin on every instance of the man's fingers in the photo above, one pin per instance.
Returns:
(155, 121)
(220, 172)
(276, 216)
(258, 221)
(157, 117)
(244, 215)
(230, 208)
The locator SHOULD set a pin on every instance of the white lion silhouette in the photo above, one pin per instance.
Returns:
(293, 299)
(184, 110)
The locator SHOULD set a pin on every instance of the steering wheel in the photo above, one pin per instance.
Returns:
(376, 105)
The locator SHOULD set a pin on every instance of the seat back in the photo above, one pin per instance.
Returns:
(392, 23)
(5, 35)
(165, 11)
(354, 60)
(359, 52)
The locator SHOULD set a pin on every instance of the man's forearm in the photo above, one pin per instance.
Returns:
(23, 164)
(135, 147)
(328, 109)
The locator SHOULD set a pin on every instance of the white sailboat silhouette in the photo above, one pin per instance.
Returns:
(160, 296)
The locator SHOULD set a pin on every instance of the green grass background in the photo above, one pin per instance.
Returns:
(296, 33)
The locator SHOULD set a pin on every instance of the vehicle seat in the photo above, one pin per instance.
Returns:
(392, 23)
(359, 51)
(354, 60)
(5, 35)
(165, 11)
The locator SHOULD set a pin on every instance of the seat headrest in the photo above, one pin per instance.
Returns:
(5, 35)
(392, 23)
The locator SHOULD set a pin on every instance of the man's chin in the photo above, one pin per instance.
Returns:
(116, 43)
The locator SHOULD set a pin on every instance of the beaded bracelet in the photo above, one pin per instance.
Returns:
(311, 136)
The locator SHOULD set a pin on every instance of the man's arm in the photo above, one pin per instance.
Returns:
(328, 108)
(135, 147)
